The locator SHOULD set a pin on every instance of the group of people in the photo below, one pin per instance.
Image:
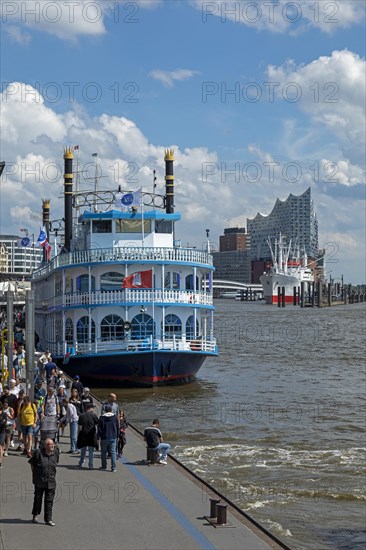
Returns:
(35, 425)
(29, 421)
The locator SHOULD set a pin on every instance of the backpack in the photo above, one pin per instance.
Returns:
(3, 421)
(22, 406)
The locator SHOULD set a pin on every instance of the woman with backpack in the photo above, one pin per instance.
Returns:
(28, 422)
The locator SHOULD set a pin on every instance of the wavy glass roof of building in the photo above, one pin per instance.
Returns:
(294, 217)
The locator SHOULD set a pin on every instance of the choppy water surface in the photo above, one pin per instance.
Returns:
(277, 421)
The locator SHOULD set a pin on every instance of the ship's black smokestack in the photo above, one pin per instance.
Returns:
(169, 181)
(46, 205)
(68, 177)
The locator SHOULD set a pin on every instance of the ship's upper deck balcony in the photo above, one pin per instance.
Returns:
(128, 255)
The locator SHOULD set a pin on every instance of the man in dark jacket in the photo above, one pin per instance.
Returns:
(88, 422)
(43, 463)
(108, 430)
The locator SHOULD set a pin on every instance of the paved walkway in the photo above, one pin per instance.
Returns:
(138, 507)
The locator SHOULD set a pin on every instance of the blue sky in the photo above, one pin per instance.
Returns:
(126, 79)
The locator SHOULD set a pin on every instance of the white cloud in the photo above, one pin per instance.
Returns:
(169, 77)
(284, 16)
(331, 89)
(68, 19)
(17, 35)
(342, 172)
(32, 146)
(26, 118)
(60, 18)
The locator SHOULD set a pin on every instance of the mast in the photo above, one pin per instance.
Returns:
(280, 255)
(95, 181)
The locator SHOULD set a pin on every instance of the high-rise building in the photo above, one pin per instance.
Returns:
(234, 238)
(232, 262)
(18, 261)
(294, 217)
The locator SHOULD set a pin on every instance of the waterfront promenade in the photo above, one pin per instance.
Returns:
(138, 507)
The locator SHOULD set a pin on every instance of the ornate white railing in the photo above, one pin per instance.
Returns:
(130, 296)
(178, 344)
(126, 254)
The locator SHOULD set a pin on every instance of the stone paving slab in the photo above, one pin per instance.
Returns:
(138, 507)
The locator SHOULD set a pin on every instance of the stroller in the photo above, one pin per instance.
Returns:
(50, 429)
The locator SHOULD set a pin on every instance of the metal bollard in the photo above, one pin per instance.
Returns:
(213, 507)
(221, 514)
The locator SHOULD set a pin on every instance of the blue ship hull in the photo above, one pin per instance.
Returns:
(145, 368)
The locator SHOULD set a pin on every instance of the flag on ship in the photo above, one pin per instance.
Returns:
(25, 241)
(140, 279)
(42, 237)
(128, 199)
(46, 245)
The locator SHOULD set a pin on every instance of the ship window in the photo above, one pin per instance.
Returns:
(69, 331)
(58, 330)
(173, 326)
(82, 330)
(190, 328)
(102, 226)
(163, 226)
(133, 226)
(82, 283)
(58, 288)
(111, 281)
(172, 280)
(142, 326)
(68, 285)
(189, 282)
(111, 328)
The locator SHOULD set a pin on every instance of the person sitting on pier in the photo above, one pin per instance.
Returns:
(154, 440)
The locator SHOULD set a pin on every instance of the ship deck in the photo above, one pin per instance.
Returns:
(138, 507)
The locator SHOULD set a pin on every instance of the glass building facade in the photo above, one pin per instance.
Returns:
(18, 261)
(294, 218)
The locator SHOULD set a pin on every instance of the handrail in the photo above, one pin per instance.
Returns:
(133, 346)
(128, 296)
(125, 254)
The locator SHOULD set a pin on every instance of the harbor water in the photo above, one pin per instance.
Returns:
(277, 422)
